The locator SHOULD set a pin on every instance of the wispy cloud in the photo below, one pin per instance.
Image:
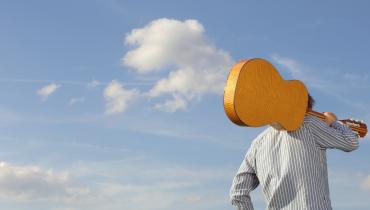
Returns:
(291, 65)
(121, 184)
(166, 185)
(301, 72)
(196, 67)
(28, 183)
(184, 132)
(89, 84)
(117, 98)
(9, 116)
(355, 80)
(93, 83)
(341, 86)
(318, 78)
(25, 80)
(172, 105)
(73, 101)
(47, 90)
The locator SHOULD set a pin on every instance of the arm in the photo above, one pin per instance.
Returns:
(244, 182)
(337, 135)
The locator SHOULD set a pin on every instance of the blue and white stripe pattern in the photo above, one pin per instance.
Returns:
(291, 166)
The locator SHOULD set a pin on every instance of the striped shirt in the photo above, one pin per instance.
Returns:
(291, 166)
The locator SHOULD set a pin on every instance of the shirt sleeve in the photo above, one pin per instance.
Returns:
(336, 136)
(244, 182)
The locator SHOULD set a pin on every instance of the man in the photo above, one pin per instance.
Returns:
(291, 166)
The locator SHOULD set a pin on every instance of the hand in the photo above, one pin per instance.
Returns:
(330, 117)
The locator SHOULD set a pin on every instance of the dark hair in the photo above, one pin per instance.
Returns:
(311, 102)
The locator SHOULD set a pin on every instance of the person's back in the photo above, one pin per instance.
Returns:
(291, 166)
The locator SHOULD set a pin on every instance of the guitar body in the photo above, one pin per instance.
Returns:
(256, 95)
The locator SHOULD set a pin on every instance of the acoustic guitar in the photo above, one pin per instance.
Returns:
(256, 95)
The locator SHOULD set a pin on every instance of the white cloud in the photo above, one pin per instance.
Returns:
(47, 90)
(365, 184)
(27, 183)
(73, 101)
(171, 105)
(117, 98)
(117, 184)
(196, 66)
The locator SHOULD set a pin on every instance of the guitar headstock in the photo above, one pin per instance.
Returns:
(358, 126)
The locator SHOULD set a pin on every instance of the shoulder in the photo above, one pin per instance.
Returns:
(312, 120)
(316, 126)
(260, 138)
(255, 145)
(309, 119)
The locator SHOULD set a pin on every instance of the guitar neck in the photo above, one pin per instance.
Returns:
(354, 126)
(316, 114)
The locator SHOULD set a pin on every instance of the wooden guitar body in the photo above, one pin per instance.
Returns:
(256, 95)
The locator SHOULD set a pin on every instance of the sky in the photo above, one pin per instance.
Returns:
(109, 105)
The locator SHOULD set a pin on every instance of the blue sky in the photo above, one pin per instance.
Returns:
(118, 104)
